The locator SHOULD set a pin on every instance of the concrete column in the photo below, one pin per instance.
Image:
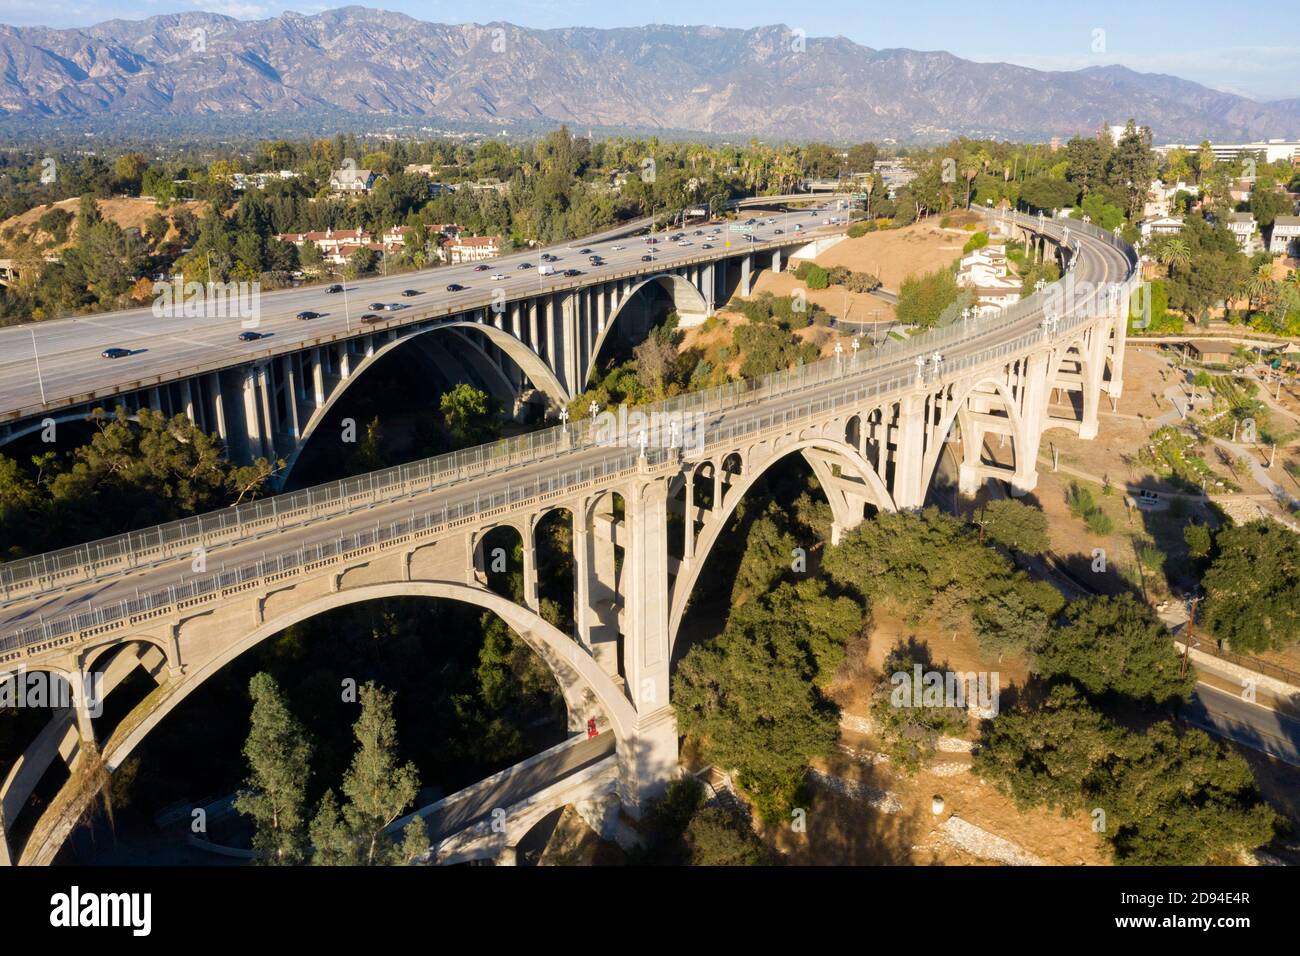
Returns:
(530, 567)
(507, 856)
(81, 705)
(710, 289)
(218, 403)
(551, 320)
(270, 417)
(746, 268)
(252, 419)
(187, 400)
(776, 260)
(516, 320)
(601, 294)
(910, 453)
(533, 306)
(1033, 418)
(1120, 342)
(688, 548)
(1092, 383)
(291, 395)
(646, 616)
(318, 377)
(345, 362)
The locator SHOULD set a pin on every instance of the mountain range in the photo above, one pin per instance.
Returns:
(769, 82)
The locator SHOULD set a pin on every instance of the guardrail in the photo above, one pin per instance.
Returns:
(416, 315)
(246, 522)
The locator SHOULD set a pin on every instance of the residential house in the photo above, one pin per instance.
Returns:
(1285, 238)
(1242, 226)
(1161, 226)
(349, 181)
(471, 248)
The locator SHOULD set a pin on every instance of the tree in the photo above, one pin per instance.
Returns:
(1015, 525)
(377, 789)
(909, 731)
(1116, 645)
(278, 754)
(751, 700)
(1166, 798)
(468, 415)
(1016, 618)
(1252, 586)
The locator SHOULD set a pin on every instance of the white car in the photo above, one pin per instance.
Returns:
(498, 277)
(615, 248)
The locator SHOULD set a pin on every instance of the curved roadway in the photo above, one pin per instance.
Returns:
(1096, 261)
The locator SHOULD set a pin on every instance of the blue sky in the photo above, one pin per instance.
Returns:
(1248, 47)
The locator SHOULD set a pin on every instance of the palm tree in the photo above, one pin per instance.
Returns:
(1258, 286)
(1174, 253)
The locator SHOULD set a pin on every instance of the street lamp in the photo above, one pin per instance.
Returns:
(856, 346)
(593, 408)
(920, 368)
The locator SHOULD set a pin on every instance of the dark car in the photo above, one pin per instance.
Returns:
(699, 232)
(115, 353)
(651, 240)
(524, 265)
(378, 306)
(455, 287)
(583, 252)
(249, 336)
(778, 232)
(647, 258)
(308, 314)
(480, 268)
(410, 292)
(547, 257)
(572, 272)
(706, 245)
(370, 318)
(334, 289)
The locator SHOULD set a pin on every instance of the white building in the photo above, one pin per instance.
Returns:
(1285, 240)
(1161, 226)
(1242, 226)
(353, 181)
(472, 248)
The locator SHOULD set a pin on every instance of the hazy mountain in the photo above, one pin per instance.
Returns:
(719, 81)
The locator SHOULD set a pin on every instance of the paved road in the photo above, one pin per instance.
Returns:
(1098, 262)
(69, 349)
(1252, 725)
(453, 815)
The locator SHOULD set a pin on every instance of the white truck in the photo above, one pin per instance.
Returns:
(546, 270)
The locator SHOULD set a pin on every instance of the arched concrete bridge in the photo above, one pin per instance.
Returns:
(191, 596)
(523, 333)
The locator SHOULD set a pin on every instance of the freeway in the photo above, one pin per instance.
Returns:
(27, 618)
(55, 362)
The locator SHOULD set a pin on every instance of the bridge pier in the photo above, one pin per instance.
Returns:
(746, 268)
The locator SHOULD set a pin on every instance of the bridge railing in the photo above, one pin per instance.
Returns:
(193, 537)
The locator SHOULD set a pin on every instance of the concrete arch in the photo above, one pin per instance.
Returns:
(532, 364)
(958, 407)
(63, 419)
(686, 298)
(555, 648)
(685, 582)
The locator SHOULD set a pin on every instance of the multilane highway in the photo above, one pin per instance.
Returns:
(53, 362)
